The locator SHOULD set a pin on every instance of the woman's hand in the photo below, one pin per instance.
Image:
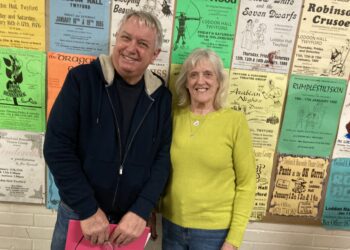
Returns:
(228, 246)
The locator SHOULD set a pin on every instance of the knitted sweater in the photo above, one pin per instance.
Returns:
(212, 184)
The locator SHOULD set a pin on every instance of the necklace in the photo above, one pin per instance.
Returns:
(195, 123)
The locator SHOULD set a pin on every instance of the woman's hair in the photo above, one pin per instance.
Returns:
(150, 20)
(192, 60)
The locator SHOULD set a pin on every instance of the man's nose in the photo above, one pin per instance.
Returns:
(132, 45)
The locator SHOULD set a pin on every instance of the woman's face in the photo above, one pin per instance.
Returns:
(202, 84)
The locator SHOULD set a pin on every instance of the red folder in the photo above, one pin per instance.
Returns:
(76, 240)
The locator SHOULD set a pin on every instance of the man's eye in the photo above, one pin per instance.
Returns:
(144, 45)
(125, 38)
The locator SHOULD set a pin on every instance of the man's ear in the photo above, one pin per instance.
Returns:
(156, 53)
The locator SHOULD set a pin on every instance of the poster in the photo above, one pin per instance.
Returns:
(264, 163)
(22, 89)
(323, 43)
(204, 24)
(298, 186)
(58, 66)
(336, 212)
(79, 27)
(342, 143)
(311, 115)
(22, 167)
(266, 35)
(164, 11)
(260, 96)
(22, 24)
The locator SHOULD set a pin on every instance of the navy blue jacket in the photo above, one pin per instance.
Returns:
(83, 148)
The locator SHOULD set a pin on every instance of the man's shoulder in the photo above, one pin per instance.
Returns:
(85, 68)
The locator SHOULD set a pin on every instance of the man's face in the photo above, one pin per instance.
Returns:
(134, 49)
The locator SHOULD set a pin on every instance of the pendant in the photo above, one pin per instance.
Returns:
(196, 123)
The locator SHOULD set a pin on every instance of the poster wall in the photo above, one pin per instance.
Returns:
(256, 40)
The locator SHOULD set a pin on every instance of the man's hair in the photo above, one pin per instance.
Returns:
(150, 20)
(192, 60)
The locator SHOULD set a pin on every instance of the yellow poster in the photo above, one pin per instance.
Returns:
(298, 186)
(323, 43)
(174, 73)
(22, 24)
(260, 95)
(264, 164)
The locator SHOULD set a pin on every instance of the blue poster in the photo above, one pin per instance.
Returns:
(79, 27)
(336, 212)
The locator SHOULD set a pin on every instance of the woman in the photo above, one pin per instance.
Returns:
(211, 190)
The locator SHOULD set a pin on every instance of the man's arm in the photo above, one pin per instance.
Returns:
(61, 150)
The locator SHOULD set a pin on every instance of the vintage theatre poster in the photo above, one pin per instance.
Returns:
(22, 89)
(22, 24)
(298, 186)
(311, 115)
(79, 27)
(323, 43)
(260, 96)
(22, 167)
(266, 35)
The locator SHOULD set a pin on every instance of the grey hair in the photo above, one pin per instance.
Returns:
(192, 60)
(147, 18)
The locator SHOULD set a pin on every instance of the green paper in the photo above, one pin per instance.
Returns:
(204, 24)
(311, 115)
(22, 89)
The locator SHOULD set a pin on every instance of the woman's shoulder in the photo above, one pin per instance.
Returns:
(228, 112)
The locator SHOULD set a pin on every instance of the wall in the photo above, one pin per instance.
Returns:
(29, 227)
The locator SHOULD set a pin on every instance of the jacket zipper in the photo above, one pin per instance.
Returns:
(121, 167)
(133, 136)
(120, 172)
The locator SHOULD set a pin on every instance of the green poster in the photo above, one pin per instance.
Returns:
(22, 89)
(311, 115)
(204, 24)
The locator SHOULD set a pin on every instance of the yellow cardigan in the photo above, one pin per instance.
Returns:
(212, 183)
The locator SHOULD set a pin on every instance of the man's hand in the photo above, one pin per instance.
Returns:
(130, 227)
(228, 246)
(96, 228)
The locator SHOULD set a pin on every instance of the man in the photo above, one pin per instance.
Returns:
(108, 138)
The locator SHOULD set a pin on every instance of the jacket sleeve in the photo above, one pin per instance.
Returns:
(154, 187)
(61, 150)
(245, 171)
